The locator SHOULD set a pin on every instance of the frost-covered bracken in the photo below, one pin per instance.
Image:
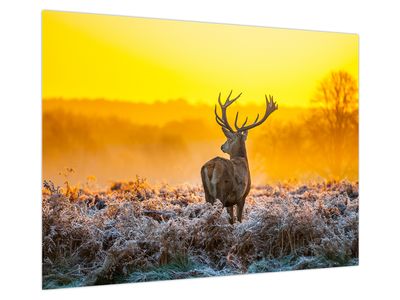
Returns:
(136, 232)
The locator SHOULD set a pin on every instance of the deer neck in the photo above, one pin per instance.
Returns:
(240, 152)
(241, 164)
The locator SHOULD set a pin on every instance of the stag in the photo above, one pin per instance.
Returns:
(228, 180)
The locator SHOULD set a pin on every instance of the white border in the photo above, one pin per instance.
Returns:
(377, 24)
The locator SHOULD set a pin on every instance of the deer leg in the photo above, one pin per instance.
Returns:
(240, 211)
(229, 209)
(215, 182)
(207, 186)
(209, 198)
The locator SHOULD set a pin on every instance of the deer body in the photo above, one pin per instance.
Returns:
(228, 180)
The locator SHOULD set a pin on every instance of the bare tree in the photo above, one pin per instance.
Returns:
(336, 119)
(337, 97)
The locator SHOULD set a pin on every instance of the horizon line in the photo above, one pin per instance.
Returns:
(163, 101)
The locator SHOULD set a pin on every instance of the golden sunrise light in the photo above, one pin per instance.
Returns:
(143, 60)
(124, 96)
(149, 175)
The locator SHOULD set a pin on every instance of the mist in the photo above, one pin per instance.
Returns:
(100, 141)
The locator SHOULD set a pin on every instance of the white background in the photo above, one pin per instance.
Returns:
(377, 23)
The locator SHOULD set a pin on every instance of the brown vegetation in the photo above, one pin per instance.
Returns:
(133, 231)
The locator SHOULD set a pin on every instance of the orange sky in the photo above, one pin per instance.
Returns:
(139, 59)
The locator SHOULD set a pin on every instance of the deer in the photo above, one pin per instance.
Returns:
(228, 180)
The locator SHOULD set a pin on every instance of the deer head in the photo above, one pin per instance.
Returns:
(235, 143)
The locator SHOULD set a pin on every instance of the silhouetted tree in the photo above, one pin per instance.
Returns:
(336, 120)
(337, 97)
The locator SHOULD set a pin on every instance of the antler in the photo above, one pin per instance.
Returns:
(223, 120)
(271, 107)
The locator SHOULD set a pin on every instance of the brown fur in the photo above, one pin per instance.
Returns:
(228, 180)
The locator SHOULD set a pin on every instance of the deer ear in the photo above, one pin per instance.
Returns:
(227, 133)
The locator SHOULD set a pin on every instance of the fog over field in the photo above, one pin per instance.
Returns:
(170, 141)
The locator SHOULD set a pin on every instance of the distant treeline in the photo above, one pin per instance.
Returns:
(170, 141)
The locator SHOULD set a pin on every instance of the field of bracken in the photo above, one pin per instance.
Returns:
(135, 232)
